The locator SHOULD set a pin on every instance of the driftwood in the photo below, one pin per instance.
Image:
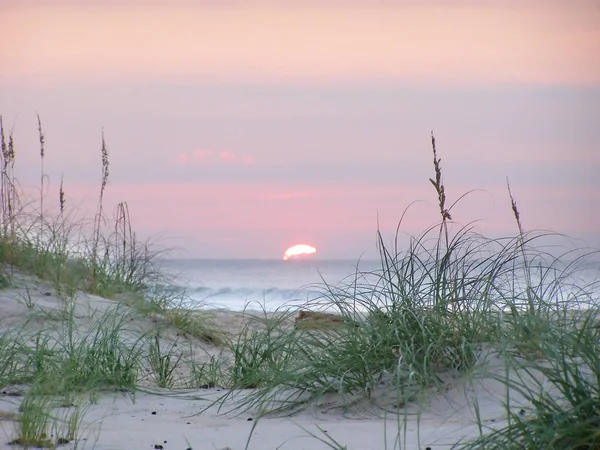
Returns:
(313, 320)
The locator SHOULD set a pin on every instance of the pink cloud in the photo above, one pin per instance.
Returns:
(226, 156)
(200, 154)
(182, 159)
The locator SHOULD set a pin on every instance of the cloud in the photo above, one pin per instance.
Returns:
(201, 156)
(182, 159)
(226, 156)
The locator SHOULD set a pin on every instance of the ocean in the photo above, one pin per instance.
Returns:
(236, 284)
(269, 284)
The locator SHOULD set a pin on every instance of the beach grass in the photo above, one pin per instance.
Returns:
(42, 422)
(163, 362)
(431, 311)
(55, 354)
(557, 379)
(60, 359)
(430, 314)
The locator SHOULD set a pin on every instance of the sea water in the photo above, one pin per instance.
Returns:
(271, 284)
(259, 284)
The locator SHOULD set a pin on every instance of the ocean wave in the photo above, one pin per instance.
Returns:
(238, 297)
(243, 292)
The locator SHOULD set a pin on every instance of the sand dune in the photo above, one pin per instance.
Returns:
(152, 418)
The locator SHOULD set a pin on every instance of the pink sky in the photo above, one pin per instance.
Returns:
(239, 130)
(542, 42)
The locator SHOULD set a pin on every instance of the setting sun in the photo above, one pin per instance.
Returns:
(298, 250)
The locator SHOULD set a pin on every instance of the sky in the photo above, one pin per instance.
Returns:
(236, 129)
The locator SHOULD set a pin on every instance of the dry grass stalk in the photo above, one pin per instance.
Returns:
(125, 242)
(440, 190)
(444, 212)
(61, 198)
(99, 217)
(42, 176)
(517, 215)
(7, 186)
(438, 184)
(515, 210)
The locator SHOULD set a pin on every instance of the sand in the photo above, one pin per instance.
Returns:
(172, 419)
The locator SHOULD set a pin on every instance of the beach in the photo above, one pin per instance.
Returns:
(181, 417)
(172, 418)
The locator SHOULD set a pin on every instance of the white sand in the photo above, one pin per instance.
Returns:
(116, 422)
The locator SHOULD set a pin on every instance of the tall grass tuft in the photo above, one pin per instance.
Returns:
(551, 349)
(33, 423)
(72, 255)
(419, 319)
(41, 424)
(561, 385)
(68, 359)
(163, 365)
